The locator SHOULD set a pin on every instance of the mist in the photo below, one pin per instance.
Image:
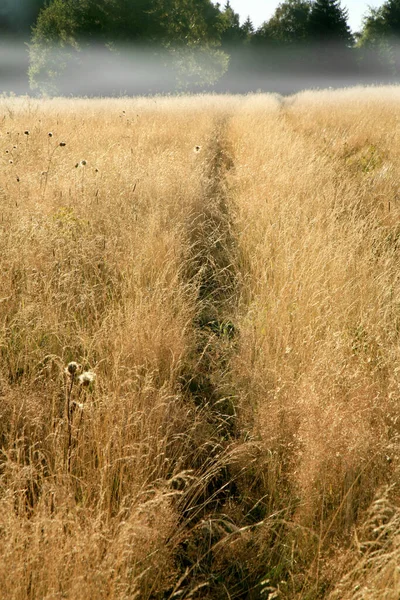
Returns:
(139, 70)
(14, 63)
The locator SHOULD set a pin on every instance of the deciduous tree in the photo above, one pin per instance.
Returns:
(189, 31)
(290, 22)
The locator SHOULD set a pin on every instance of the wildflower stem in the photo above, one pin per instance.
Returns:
(47, 170)
(69, 424)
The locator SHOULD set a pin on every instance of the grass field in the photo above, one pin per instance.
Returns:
(228, 269)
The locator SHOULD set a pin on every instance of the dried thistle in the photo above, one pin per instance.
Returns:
(86, 378)
(72, 369)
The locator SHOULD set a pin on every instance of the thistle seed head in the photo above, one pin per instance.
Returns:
(86, 378)
(73, 368)
(78, 405)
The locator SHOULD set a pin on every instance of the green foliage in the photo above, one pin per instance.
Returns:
(232, 32)
(188, 22)
(290, 22)
(301, 21)
(380, 34)
(66, 29)
(381, 26)
(195, 41)
(248, 31)
(54, 45)
(307, 37)
(390, 19)
(199, 67)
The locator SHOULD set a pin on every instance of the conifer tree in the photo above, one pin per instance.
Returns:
(328, 22)
(391, 17)
(248, 28)
(232, 33)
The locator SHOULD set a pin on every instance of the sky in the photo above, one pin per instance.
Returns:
(261, 10)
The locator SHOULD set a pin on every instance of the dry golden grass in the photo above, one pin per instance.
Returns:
(239, 305)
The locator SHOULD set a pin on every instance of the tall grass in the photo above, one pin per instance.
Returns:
(239, 305)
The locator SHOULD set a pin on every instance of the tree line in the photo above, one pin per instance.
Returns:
(196, 44)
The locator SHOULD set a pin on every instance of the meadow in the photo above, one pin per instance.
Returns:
(227, 270)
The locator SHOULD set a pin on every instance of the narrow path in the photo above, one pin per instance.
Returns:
(212, 267)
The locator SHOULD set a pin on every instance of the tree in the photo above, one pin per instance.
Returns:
(248, 28)
(290, 22)
(331, 41)
(380, 38)
(328, 22)
(280, 43)
(231, 31)
(391, 18)
(381, 23)
(187, 30)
